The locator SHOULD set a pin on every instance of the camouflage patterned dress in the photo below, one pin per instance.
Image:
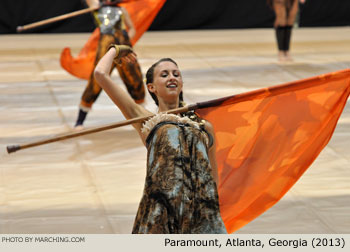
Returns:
(180, 194)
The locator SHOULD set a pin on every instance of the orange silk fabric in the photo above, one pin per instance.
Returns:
(266, 139)
(142, 13)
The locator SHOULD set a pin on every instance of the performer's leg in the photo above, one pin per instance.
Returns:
(292, 14)
(92, 90)
(287, 38)
(130, 73)
(280, 32)
(280, 22)
(279, 6)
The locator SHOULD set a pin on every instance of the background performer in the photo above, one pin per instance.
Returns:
(286, 12)
(112, 21)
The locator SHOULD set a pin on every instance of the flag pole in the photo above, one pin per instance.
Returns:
(65, 16)
(14, 148)
(55, 19)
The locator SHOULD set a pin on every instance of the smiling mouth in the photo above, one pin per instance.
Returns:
(171, 85)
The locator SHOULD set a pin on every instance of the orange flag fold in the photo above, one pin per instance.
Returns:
(266, 139)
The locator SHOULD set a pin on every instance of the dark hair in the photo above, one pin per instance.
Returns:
(150, 75)
(149, 79)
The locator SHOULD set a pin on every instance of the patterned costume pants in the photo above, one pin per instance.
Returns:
(130, 73)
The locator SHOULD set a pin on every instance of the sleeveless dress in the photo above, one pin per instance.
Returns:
(180, 194)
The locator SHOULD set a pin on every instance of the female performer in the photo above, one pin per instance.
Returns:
(112, 20)
(180, 193)
(286, 12)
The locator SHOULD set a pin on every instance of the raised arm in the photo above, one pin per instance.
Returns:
(120, 97)
(129, 24)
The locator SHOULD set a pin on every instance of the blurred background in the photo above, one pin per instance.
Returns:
(175, 15)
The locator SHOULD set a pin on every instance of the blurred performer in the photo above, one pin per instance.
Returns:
(286, 12)
(116, 27)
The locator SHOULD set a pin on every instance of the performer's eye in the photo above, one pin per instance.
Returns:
(164, 74)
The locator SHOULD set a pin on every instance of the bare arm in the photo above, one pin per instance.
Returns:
(212, 153)
(92, 3)
(129, 23)
(120, 97)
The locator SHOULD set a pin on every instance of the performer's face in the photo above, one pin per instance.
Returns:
(167, 82)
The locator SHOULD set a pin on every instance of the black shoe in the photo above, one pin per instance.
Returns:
(81, 118)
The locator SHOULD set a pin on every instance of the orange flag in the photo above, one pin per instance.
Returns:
(266, 139)
(142, 13)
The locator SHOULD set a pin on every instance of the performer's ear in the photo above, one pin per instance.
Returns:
(151, 87)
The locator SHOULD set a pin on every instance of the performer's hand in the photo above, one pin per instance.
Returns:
(129, 58)
(93, 3)
(123, 52)
(302, 1)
